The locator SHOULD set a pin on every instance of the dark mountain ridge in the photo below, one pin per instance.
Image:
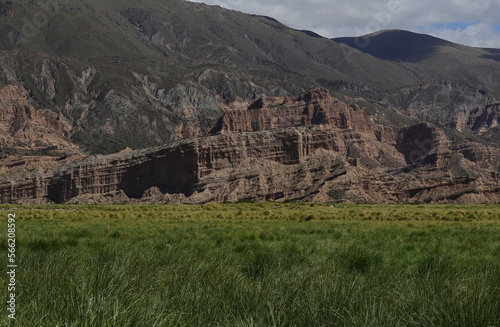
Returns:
(398, 45)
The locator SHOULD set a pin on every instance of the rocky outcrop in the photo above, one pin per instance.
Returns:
(24, 128)
(307, 159)
(316, 107)
(351, 133)
(104, 100)
(484, 118)
(456, 105)
(180, 168)
(418, 140)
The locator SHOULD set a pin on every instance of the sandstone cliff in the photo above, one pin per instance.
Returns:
(24, 128)
(319, 149)
(316, 107)
(484, 118)
(350, 132)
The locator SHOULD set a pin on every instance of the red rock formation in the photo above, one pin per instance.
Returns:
(23, 127)
(321, 150)
(179, 168)
(418, 140)
(316, 107)
(353, 134)
(485, 118)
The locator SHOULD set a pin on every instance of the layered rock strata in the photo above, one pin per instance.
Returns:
(310, 148)
(183, 167)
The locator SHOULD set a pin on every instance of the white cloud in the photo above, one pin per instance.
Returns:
(477, 35)
(335, 18)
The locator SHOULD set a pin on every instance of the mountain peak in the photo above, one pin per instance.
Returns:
(396, 45)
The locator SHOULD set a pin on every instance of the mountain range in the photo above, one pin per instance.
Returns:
(81, 79)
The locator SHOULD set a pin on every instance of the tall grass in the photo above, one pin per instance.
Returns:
(257, 265)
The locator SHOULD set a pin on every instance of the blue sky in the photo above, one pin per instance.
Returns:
(473, 23)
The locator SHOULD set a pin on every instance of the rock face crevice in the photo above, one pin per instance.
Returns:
(484, 118)
(418, 140)
(312, 147)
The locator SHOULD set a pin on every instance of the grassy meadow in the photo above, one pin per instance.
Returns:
(262, 264)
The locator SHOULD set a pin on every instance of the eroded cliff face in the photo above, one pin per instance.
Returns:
(175, 169)
(99, 102)
(181, 168)
(316, 107)
(24, 128)
(484, 118)
(338, 127)
(312, 147)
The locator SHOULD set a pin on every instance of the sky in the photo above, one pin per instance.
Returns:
(469, 22)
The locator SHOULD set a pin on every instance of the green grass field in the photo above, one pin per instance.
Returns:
(246, 264)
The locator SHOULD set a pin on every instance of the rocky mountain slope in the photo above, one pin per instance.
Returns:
(320, 149)
(167, 68)
(24, 128)
(408, 116)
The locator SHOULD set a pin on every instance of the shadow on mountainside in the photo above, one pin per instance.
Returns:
(395, 45)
